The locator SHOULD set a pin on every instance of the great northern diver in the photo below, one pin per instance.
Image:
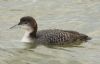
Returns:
(49, 37)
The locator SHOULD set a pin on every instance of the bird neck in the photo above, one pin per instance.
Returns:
(30, 34)
(33, 33)
(26, 37)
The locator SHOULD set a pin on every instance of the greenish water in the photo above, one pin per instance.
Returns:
(78, 15)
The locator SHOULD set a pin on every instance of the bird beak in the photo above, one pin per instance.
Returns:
(13, 26)
(19, 23)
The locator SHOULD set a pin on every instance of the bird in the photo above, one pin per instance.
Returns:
(49, 37)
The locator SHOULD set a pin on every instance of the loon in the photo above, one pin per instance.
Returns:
(50, 37)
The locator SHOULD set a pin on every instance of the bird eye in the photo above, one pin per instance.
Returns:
(25, 22)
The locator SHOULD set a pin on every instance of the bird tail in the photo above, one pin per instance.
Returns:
(85, 37)
(88, 38)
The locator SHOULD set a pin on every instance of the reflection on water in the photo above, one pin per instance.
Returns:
(80, 15)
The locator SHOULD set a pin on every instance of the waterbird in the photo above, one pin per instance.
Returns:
(49, 37)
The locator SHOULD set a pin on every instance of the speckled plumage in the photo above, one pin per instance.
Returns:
(51, 36)
(59, 37)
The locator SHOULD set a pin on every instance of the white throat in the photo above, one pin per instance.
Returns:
(27, 37)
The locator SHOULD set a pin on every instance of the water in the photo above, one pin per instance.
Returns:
(78, 15)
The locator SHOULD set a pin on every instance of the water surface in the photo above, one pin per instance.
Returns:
(78, 15)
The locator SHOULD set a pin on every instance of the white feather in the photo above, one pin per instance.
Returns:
(26, 37)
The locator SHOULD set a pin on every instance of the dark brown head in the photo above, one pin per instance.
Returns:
(28, 22)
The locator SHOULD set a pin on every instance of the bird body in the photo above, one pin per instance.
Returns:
(50, 37)
(60, 37)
